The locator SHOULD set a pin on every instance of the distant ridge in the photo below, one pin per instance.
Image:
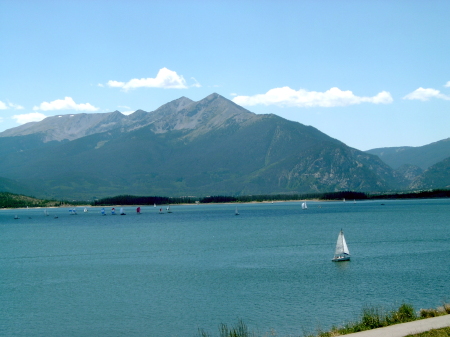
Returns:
(421, 156)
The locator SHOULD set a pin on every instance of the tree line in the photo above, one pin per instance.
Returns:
(10, 200)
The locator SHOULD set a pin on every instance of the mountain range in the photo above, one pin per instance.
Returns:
(188, 148)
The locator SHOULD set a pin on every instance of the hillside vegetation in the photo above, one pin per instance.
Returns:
(10, 200)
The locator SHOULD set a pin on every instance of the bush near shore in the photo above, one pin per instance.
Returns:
(371, 318)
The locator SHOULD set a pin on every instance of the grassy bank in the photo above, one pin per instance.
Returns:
(445, 332)
(371, 318)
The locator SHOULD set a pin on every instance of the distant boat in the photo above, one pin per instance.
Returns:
(236, 212)
(138, 210)
(154, 205)
(45, 212)
(113, 211)
(85, 210)
(73, 211)
(103, 211)
(304, 205)
(343, 200)
(168, 209)
(122, 212)
(341, 253)
(16, 217)
(161, 211)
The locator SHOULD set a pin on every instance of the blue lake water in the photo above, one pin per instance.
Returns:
(170, 274)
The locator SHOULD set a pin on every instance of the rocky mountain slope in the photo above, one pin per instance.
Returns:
(209, 147)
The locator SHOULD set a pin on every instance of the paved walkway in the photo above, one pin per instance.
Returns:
(405, 329)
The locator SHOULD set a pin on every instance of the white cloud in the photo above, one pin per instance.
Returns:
(447, 85)
(16, 106)
(288, 97)
(65, 104)
(165, 78)
(196, 84)
(4, 106)
(424, 94)
(31, 117)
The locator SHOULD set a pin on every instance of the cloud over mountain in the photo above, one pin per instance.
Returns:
(288, 97)
(30, 117)
(166, 79)
(65, 104)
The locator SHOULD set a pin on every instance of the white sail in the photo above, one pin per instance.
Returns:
(304, 206)
(341, 253)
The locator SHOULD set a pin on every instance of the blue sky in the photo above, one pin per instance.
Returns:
(369, 73)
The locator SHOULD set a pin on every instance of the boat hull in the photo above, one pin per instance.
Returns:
(341, 258)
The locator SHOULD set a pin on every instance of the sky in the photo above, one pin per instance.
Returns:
(369, 73)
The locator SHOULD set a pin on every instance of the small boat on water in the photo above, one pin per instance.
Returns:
(85, 210)
(138, 210)
(341, 253)
(122, 212)
(16, 217)
(113, 211)
(236, 212)
(304, 205)
(168, 209)
(103, 211)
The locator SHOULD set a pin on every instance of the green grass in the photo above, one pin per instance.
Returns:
(371, 318)
(444, 332)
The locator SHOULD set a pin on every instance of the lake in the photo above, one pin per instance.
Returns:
(170, 274)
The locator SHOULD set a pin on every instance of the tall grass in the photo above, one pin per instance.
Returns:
(443, 310)
(239, 330)
(371, 318)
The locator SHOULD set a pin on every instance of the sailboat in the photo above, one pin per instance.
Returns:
(85, 210)
(341, 253)
(113, 211)
(45, 212)
(236, 211)
(304, 206)
(168, 209)
(122, 212)
(103, 211)
(138, 210)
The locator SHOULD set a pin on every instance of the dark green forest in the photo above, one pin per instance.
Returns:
(10, 200)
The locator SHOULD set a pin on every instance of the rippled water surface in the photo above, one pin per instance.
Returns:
(170, 274)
